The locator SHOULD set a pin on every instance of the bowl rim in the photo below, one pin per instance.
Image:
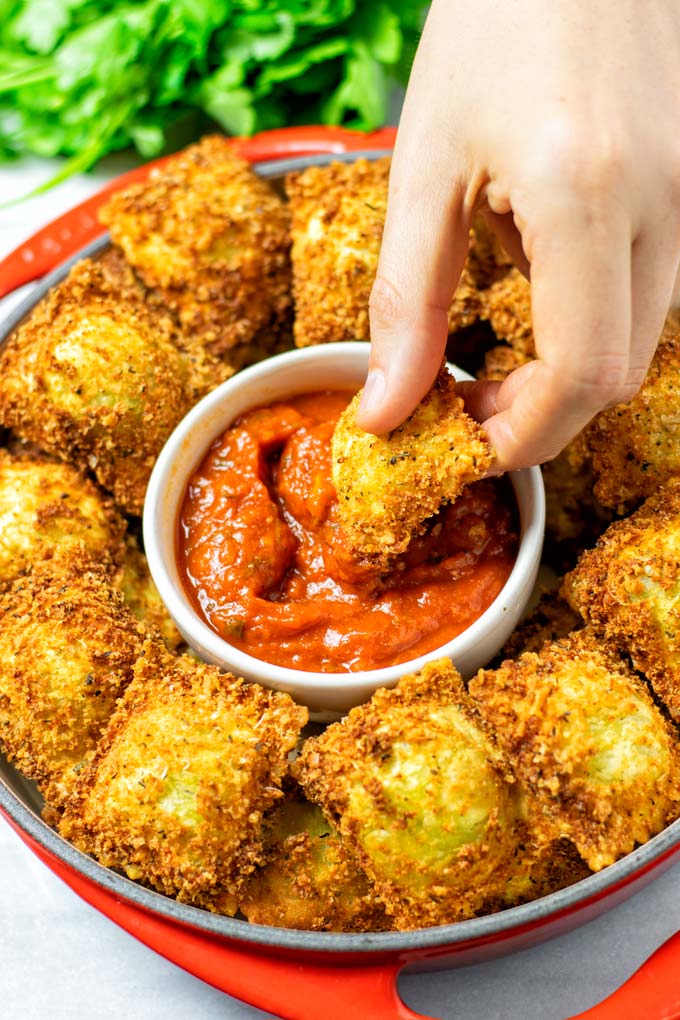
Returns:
(177, 600)
(460, 933)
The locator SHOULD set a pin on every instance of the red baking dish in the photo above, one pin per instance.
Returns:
(315, 975)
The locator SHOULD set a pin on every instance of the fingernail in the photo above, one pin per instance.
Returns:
(374, 390)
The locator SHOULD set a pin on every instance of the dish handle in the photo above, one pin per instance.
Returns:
(67, 234)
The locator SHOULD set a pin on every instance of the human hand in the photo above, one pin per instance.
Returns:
(559, 121)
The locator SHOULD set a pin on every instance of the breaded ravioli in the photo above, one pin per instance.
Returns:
(68, 644)
(175, 794)
(309, 879)
(551, 618)
(46, 505)
(97, 381)
(628, 589)
(131, 575)
(587, 740)
(389, 485)
(422, 797)
(210, 239)
(635, 446)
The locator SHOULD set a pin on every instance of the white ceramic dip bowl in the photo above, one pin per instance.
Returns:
(313, 369)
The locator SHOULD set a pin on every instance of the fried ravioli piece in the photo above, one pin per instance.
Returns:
(551, 618)
(421, 796)
(587, 740)
(310, 880)
(389, 485)
(506, 306)
(175, 794)
(68, 645)
(628, 589)
(635, 446)
(337, 218)
(131, 575)
(45, 505)
(96, 381)
(210, 238)
(500, 361)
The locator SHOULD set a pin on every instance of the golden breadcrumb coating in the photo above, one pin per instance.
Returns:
(337, 218)
(550, 619)
(574, 518)
(422, 797)
(389, 485)
(500, 361)
(131, 575)
(309, 879)
(586, 738)
(635, 446)
(175, 794)
(506, 306)
(96, 381)
(210, 238)
(628, 589)
(67, 648)
(45, 505)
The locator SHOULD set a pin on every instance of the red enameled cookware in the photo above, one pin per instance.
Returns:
(315, 975)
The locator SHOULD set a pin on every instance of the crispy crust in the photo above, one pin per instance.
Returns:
(175, 794)
(588, 741)
(551, 618)
(96, 381)
(210, 239)
(500, 361)
(67, 648)
(131, 575)
(337, 217)
(46, 505)
(389, 485)
(636, 446)
(627, 590)
(309, 879)
(401, 778)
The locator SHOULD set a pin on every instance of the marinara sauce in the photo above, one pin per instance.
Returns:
(263, 557)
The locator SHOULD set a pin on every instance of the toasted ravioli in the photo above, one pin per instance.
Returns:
(131, 575)
(635, 446)
(389, 485)
(97, 381)
(175, 794)
(210, 239)
(586, 738)
(422, 797)
(628, 589)
(46, 505)
(551, 618)
(309, 879)
(506, 306)
(337, 218)
(68, 645)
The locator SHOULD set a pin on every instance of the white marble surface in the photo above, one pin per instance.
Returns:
(61, 960)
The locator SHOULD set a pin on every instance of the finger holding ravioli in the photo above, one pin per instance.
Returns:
(389, 485)
(588, 742)
(175, 794)
(97, 381)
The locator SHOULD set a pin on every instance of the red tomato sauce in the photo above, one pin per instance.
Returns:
(263, 559)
